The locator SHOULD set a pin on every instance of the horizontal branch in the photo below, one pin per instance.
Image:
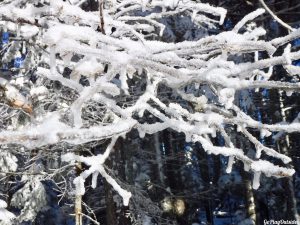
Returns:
(52, 131)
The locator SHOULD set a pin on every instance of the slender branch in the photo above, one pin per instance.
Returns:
(90, 218)
(101, 3)
(276, 17)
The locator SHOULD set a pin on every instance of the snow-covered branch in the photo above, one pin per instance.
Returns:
(121, 74)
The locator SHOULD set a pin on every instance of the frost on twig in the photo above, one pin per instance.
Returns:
(96, 166)
(14, 98)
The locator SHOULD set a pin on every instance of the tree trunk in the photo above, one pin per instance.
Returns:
(170, 170)
(291, 205)
(159, 160)
(120, 159)
(250, 200)
(204, 171)
(78, 200)
(291, 213)
(111, 209)
(111, 217)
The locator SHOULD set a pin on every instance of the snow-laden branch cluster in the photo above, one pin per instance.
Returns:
(58, 36)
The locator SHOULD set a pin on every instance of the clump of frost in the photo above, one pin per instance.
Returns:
(5, 215)
(31, 199)
(42, 90)
(8, 162)
(268, 169)
(79, 185)
(226, 97)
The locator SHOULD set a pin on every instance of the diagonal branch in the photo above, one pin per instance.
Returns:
(276, 17)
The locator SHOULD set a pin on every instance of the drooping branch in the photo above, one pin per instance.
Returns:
(275, 17)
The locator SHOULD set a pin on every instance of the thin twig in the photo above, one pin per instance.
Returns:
(101, 17)
(276, 17)
(90, 218)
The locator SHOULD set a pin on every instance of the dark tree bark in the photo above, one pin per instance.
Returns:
(204, 171)
(171, 164)
(111, 217)
(120, 159)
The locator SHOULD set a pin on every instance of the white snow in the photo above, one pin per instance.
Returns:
(249, 17)
(5, 215)
(271, 170)
(3, 204)
(41, 90)
(226, 97)
(256, 182)
(89, 67)
(229, 164)
(79, 185)
(96, 167)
